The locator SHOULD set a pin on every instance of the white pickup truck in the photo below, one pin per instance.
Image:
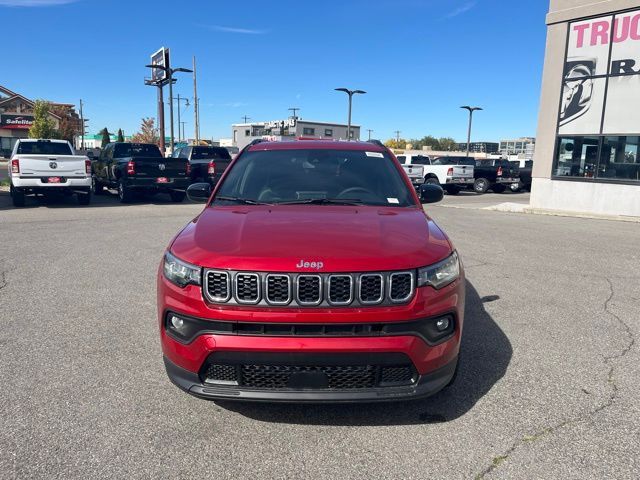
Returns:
(422, 169)
(41, 166)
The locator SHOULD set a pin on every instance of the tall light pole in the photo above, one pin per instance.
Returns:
(351, 93)
(196, 103)
(170, 80)
(370, 132)
(471, 110)
(186, 100)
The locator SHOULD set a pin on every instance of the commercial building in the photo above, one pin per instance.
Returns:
(293, 127)
(587, 155)
(478, 147)
(517, 146)
(16, 118)
(95, 141)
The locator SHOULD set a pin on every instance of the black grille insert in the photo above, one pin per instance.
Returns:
(324, 376)
(309, 289)
(218, 286)
(400, 375)
(371, 289)
(401, 287)
(340, 290)
(247, 288)
(226, 374)
(278, 289)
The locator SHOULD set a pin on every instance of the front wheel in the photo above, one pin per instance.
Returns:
(124, 193)
(431, 181)
(481, 185)
(177, 197)
(17, 196)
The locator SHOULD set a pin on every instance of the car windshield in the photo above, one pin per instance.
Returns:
(202, 153)
(318, 176)
(44, 148)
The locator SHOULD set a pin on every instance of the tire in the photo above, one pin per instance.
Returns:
(125, 195)
(96, 186)
(18, 197)
(481, 185)
(431, 181)
(515, 187)
(177, 197)
(452, 189)
(84, 198)
(498, 188)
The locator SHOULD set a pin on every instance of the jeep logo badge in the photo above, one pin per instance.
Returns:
(315, 265)
(53, 165)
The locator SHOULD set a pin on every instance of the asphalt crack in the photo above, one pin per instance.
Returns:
(609, 360)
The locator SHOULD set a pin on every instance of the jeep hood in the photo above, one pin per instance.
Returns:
(344, 239)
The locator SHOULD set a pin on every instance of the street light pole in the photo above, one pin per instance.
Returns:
(471, 110)
(370, 132)
(351, 93)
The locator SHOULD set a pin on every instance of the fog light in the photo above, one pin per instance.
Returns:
(178, 324)
(443, 323)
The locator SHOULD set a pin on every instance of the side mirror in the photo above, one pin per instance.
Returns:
(199, 192)
(430, 193)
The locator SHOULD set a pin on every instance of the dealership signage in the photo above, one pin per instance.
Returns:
(20, 122)
(161, 58)
(601, 85)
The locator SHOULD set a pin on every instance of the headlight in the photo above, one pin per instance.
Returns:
(441, 274)
(181, 273)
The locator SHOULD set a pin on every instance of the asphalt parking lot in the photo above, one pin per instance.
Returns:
(548, 387)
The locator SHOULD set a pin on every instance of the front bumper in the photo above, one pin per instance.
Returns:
(425, 386)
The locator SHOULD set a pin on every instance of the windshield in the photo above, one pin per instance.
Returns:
(44, 148)
(123, 150)
(320, 176)
(202, 153)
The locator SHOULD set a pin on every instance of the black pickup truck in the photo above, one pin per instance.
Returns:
(525, 176)
(207, 163)
(494, 175)
(139, 168)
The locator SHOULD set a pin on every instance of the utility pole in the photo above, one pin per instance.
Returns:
(397, 132)
(82, 126)
(370, 132)
(246, 119)
(196, 103)
(183, 123)
(179, 134)
(294, 110)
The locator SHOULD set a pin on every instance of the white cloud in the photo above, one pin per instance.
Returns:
(461, 9)
(34, 3)
(244, 31)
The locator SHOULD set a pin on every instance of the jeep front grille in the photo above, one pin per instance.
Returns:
(308, 290)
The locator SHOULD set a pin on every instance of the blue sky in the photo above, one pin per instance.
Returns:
(419, 60)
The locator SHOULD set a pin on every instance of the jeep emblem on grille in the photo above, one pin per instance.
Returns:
(316, 265)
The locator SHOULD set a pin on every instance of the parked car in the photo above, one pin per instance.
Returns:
(494, 175)
(139, 168)
(525, 168)
(328, 284)
(207, 163)
(47, 166)
(443, 171)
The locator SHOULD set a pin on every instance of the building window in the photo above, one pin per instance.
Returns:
(308, 131)
(235, 136)
(577, 157)
(352, 134)
(247, 133)
(328, 132)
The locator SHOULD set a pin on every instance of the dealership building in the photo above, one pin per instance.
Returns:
(244, 133)
(587, 156)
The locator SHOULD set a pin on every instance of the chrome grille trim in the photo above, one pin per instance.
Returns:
(344, 302)
(320, 293)
(266, 289)
(380, 298)
(228, 282)
(411, 290)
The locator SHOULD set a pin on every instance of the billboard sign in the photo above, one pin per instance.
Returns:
(161, 57)
(602, 76)
(16, 122)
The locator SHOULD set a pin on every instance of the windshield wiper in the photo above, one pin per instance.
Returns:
(323, 201)
(243, 201)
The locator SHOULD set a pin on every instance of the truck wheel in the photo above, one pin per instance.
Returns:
(84, 198)
(177, 197)
(124, 193)
(452, 189)
(431, 181)
(96, 186)
(481, 185)
(498, 188)
(515, 187)
(17, 196)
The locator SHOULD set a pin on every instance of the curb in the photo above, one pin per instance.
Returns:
(520, 208)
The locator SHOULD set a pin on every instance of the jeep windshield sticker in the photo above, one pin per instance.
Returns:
(393, 200)
(375, 154)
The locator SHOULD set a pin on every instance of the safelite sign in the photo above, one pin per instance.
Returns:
(16, 122)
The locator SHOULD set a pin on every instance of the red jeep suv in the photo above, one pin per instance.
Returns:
(313, 274)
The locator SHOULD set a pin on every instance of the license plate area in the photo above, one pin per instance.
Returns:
(162, 180)
(53, 180)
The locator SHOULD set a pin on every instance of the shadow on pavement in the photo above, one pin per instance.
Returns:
(486, 353)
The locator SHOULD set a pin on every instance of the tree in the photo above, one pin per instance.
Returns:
(68, 124)
(447, 144)
(147, 133)
(106, 137)
(120, 138)
(43, 125)
(395, 144)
